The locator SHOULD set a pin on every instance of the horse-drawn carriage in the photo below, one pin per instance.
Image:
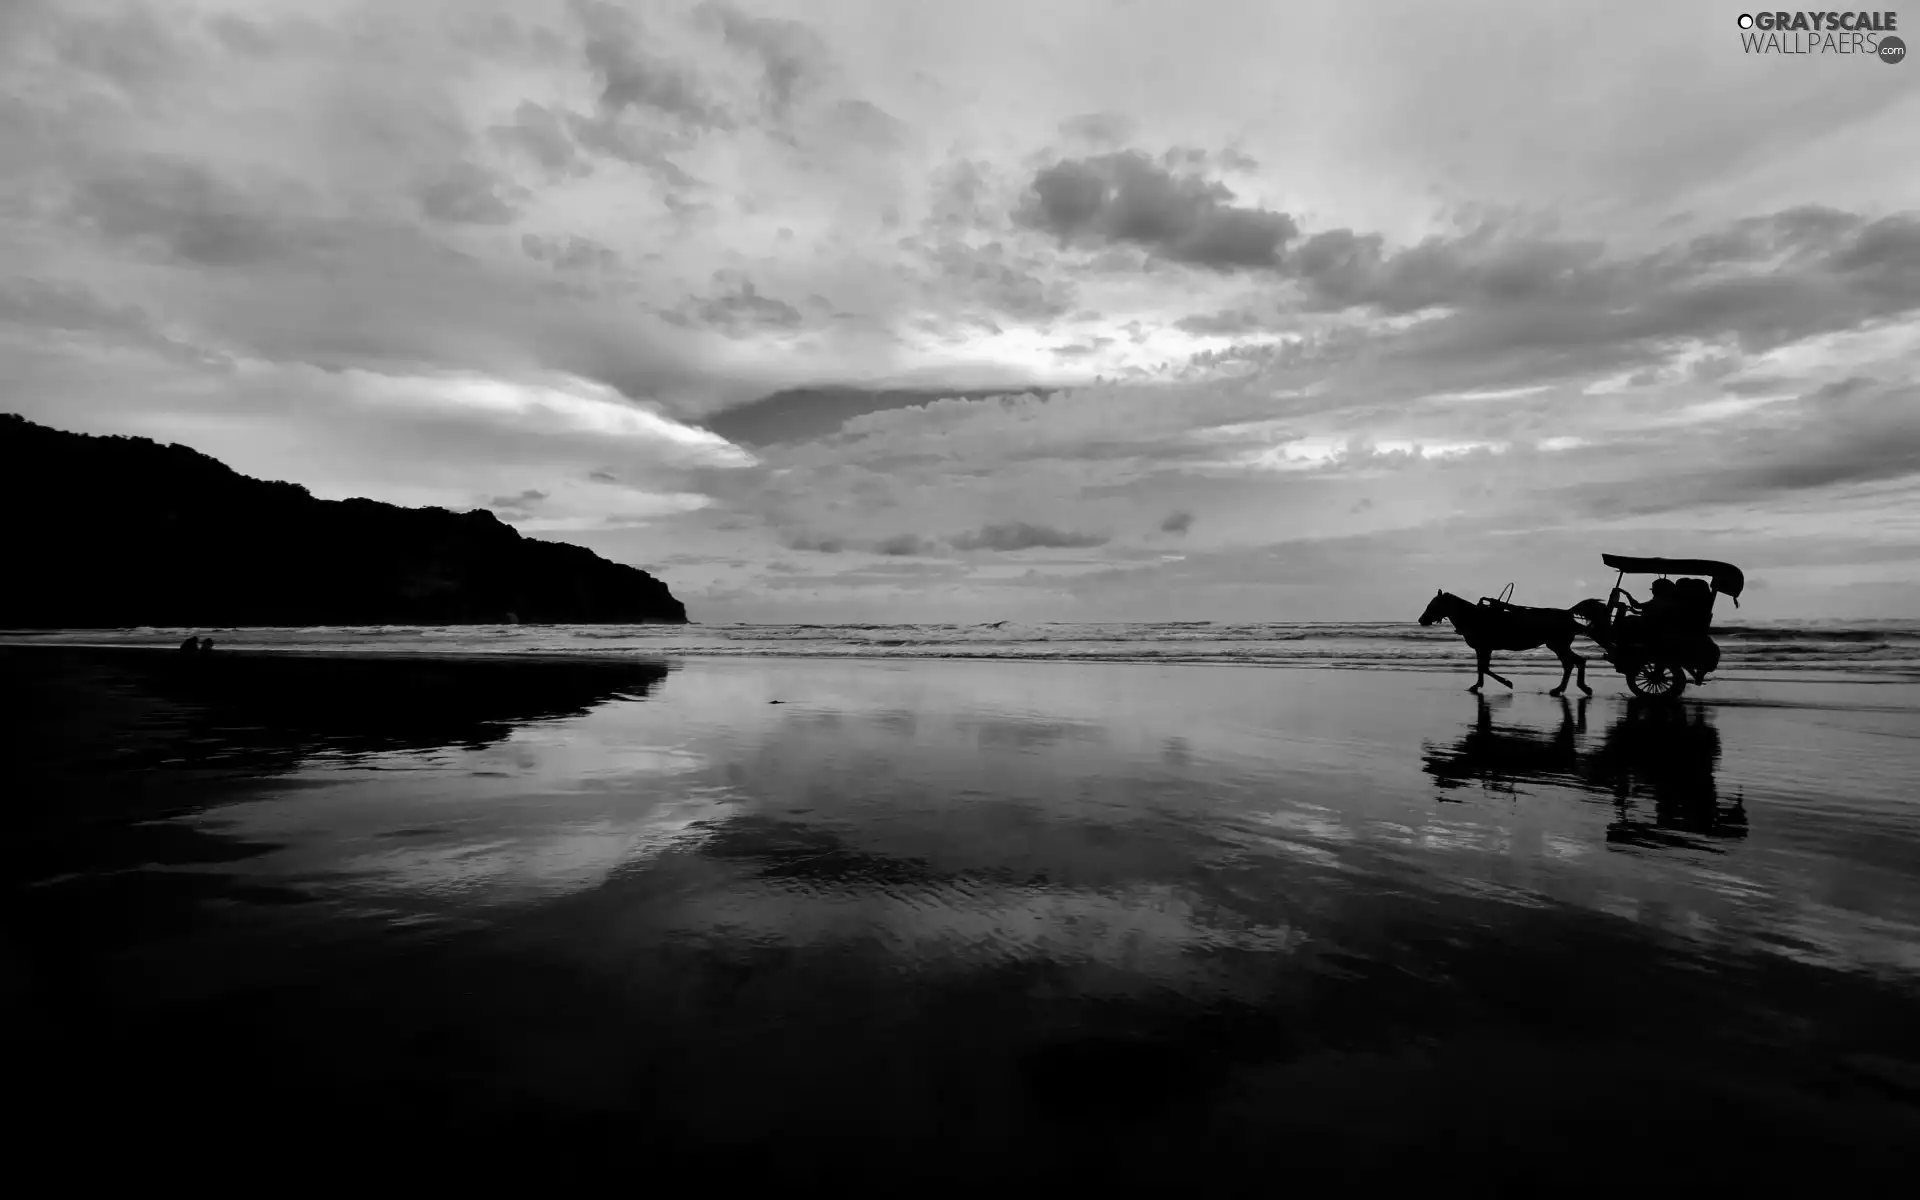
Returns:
(1657, 643)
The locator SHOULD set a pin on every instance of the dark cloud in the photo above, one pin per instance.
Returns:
(1126, 197)
(131, 48)
(905, 544)
(182, 211)
(1227, 322)
(245, 37)
(1177, 522)
(800, 414)
(45, 304)
(1345, 270)
(633, 78)
(602, 477)
(999, 278)
(1020, 535)
(471, 195)
(957, 194)
(815, 542)
(1766, 280)
(789, 54)
(520, 505)
(1856, 431)
(571, 253)
(737, 308)
(1192, 158)
(1521, 306)
(604, 134)
(865, 123)
(541, 135)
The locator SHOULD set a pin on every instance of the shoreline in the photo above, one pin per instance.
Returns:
(1543, 667)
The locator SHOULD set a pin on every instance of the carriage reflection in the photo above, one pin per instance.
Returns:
(1657, 761)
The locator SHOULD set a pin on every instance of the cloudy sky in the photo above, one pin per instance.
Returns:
(900, 310)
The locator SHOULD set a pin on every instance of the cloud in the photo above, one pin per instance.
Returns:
(790, 54)
(817, 543)
(905, 544)
(737, 308)
(525, 499)
(539, 133)
(1178, 521)
(800, 414)
(571, 253)
(1855, 431)
(1021, 535)
(1227, 322)
(471, 195)
(1012, 286)
(1101, 128)
(179, 210)
(632, 76)
(1126, 197)
(519, 507)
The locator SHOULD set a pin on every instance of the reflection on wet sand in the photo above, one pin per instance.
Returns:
(1666, 753)
(113, 756)
(965, 923)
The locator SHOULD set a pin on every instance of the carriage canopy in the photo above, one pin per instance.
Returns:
(1728, 579)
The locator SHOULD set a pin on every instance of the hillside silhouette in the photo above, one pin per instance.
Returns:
(123, 531)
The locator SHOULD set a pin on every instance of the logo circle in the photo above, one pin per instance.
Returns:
(1892, 50)
(1746, 21)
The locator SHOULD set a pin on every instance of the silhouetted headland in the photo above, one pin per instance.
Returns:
(121, 531)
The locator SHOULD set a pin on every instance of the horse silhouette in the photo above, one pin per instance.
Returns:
(1501, 626)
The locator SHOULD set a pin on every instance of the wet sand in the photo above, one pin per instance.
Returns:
(958, 923)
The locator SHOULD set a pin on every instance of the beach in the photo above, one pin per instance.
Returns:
(917, 921)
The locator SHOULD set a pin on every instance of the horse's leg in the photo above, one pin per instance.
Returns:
(1481, 656)
(1568, 661)
(1580, 665)
(1485, 656)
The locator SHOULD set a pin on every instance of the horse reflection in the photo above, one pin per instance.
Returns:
(1652, 751)
(1497, 757)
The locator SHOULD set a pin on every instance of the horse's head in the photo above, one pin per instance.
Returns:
(1591, 609)
(1436, 608)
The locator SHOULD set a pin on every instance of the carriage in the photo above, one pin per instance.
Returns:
(1657, 644)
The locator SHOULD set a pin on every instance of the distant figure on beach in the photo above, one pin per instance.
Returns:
(190, 645)
(206, 645)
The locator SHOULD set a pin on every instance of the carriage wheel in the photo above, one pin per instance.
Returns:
(1656, 681)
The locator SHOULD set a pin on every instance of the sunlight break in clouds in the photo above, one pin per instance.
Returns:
(576, 406)
(796, 302)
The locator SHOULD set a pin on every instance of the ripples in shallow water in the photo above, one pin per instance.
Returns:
(958, 904)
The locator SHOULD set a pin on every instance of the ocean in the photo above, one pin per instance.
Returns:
(1887, 649)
